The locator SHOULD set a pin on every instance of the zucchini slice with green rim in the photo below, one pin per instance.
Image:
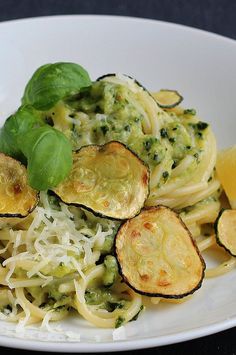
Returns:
(17, 198)
(124, 79)
(157, 256)
(167, 98)
(127, 80)
(109, 180)
(225, 229)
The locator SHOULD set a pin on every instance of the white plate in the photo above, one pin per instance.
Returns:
(160, 55)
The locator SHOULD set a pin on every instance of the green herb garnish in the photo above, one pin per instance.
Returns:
(165, 174)
(49, 156)
(137, 315)
(164, 133)
(15, 127)
(201, 125)
(53, 82)
(119, 322)
(190, 111)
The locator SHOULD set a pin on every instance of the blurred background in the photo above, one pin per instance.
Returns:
(212, 15)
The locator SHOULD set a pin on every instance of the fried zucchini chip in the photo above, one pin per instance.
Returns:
(167, 98)
(157, 256)
(126, 80)
(225, 228)
(109, 180)
(17, 198)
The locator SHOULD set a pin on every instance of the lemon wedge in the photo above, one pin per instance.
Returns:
(226, 171)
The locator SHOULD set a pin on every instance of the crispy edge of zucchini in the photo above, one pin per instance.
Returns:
(218, 239)
(166, 296)
(129, 77)
(147, 91)
(99, 214)
(19, 215)
(174, 104)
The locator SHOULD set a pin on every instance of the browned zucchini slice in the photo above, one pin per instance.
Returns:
(225, 228)
(109, 180)
(157, 255)
(17, 198)
(167, 98)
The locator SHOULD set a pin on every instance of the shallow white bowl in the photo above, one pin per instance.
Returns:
(199, 65)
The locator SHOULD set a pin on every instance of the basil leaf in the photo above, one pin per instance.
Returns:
(6, 145)
(15, 126)
(53, 82)
(49, 157)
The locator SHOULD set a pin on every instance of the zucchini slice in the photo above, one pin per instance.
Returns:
(157, 256)
(109, 180)
(225, 229)
(167, 98)
(17, 198)
(124, 79)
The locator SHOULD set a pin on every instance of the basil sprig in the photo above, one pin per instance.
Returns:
(53, 82)
(26, 136)
(15, 127)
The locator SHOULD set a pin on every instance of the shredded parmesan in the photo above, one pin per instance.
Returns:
(58, 246)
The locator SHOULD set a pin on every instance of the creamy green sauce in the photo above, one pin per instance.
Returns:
(107, 111)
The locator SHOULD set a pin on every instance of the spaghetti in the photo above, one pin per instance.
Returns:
(54, 260)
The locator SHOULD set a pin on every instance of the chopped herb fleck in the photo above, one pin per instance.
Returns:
(165, 174)
(98, 109)
(7, 310)
(202, 125)
(164, 133)
(147, 145)
(127, 128)
(119, 322)
(104, 129)
(9, 307)
(174, 164)
(54, 202)
(172, 140)
(188, 147)
(49, 121)
(156, 157)
(190, 111)
(111, 306)
(199, 134)
(149, 142)
(137, 315)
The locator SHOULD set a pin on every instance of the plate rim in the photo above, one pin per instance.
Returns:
(123, 18)
(118, 345)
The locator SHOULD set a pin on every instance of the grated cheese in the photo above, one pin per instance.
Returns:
(57, 240)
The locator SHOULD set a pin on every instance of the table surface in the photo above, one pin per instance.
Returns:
(217, 16)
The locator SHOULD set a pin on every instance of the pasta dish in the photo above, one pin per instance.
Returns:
(110, 195)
